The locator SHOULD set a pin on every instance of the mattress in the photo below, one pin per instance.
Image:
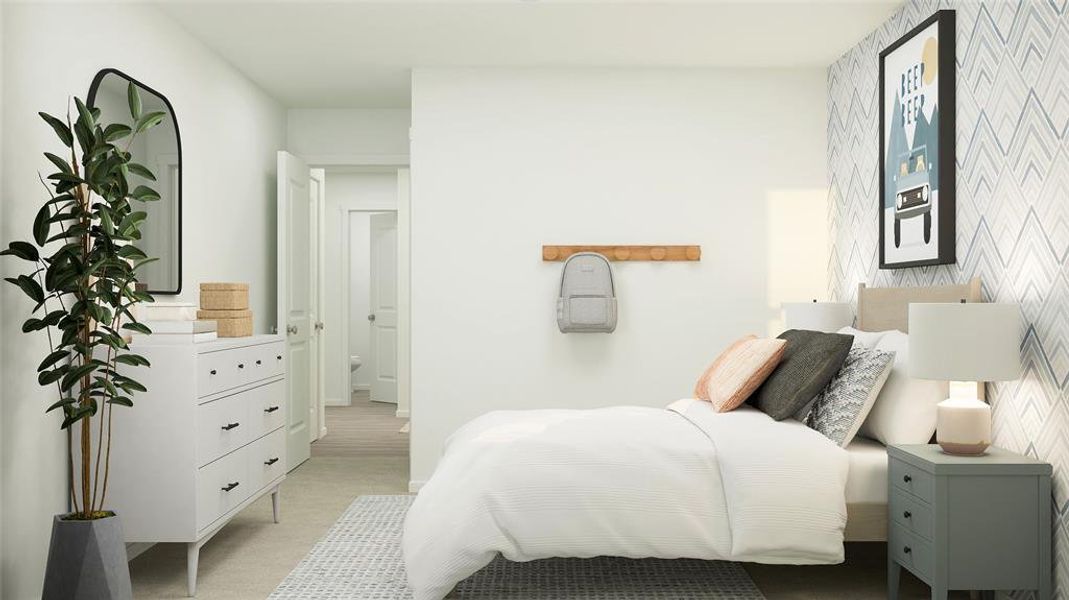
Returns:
(867, 482)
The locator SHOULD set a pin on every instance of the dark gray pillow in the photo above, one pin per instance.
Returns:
(809, 362)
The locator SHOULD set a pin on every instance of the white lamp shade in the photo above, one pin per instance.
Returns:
(965, 342)
(817, 316)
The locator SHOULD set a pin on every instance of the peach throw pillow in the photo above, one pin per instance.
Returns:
(738, 371)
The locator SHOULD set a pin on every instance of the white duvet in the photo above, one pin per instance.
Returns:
(685, 482)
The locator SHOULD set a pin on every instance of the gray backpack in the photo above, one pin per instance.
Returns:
(587, 301)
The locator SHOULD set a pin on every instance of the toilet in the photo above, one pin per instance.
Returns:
(354, 363)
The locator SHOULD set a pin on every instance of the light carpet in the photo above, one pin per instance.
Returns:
(360, 557)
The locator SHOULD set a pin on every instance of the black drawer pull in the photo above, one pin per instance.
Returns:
(279, 357)
(907, 514)
(907, 549)
(230, 426)
(241, 365)
(213, 372)
(229, 486)
(270, 409)
(259, 362)
(907, 478)
(271, 461)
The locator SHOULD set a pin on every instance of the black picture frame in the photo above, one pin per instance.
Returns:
(90, 101)
(945, 206)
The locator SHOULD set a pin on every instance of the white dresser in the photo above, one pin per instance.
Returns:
(205, 441)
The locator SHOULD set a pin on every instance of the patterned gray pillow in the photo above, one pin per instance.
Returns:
(842, 406)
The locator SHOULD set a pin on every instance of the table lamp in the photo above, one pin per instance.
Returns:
(817, 316)
(965, 344)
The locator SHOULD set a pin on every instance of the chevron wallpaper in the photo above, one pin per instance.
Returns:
(1013, 202)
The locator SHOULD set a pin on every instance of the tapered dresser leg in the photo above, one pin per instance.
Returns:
(192, 558)
(276, 503)
(894, 571)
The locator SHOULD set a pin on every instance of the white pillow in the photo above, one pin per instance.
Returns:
(865, 339)
(842, 406)
(904, 412)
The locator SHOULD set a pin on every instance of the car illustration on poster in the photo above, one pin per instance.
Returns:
(913, 192)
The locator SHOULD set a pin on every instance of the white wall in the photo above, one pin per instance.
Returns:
(348, 136)
(230, 132)
(359, 292)
(376, 190)
(506, 160)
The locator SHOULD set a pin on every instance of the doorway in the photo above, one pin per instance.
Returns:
(365, 264)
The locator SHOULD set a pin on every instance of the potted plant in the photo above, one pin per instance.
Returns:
(82, 281)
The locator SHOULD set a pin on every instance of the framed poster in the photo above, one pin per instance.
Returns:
(917, 169)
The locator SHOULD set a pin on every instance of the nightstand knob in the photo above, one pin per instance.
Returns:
(907, 514)
(907, 478)
(907, 549)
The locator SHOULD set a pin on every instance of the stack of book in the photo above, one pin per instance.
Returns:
(181, 332)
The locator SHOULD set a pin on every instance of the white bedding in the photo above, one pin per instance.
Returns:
(626, 481)
(867, 483)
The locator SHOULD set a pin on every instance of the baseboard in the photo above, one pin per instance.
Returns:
(401, 414)
(414, 486)
(361, 387)
(135, 549)
(338, 402)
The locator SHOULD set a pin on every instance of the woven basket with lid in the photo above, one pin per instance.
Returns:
(224, 296)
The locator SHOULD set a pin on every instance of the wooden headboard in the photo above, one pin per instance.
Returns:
(880, 309)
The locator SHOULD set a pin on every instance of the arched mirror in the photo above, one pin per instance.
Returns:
(159, 149)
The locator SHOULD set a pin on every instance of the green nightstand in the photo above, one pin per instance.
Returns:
(968, 522)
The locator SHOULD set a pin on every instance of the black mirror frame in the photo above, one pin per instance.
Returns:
(90, 101)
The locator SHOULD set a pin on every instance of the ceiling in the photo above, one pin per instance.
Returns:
(359, 54)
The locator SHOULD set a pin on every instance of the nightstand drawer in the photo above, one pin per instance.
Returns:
(911, 551)
(905, 476)
(911, 514)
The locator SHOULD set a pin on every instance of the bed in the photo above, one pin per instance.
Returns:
(686, 482)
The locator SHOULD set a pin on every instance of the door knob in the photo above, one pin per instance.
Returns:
(291, 329)
(371, 317)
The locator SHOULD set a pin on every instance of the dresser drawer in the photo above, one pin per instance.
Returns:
(222, 426)
(906, 477)
(223, 370)
(911, 514)
(266, 408)
(911, 551)
(266, 459)
(221, 486)
(269, 360)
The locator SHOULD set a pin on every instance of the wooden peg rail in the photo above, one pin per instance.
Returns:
(628, 253)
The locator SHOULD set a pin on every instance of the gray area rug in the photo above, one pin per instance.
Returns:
(360, 557)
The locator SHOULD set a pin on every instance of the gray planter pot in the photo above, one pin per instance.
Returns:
(87, 560)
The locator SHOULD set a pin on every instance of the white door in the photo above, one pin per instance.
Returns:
(383, 317)
(296, 300)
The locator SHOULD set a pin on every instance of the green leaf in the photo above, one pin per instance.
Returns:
(33, 324)
(29, 286)
(145, 194)
(121, 401)
(132, 359)
(41, 225)
(148, 121)
(116, 131)
(134, 99)
(60, 128)
(48, 377)
(59, 162)
(61, 402)
(138, 327)
(76, 373)
(85, 116)
(23, 250)
(141, 170)
(52, 359)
